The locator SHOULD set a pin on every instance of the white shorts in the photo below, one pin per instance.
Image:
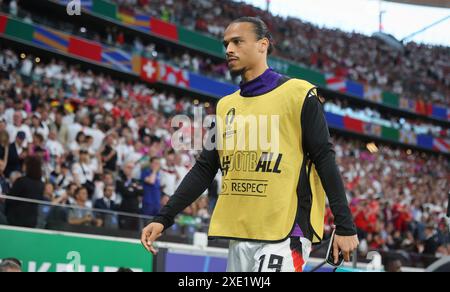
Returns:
(290, 255)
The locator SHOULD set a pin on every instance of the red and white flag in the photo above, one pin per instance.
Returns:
(174, 76)
(441, 145)
(149, 70)
(336, 83)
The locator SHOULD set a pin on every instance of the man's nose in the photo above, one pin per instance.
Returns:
(230, 50)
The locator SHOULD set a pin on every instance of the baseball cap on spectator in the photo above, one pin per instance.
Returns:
(21, 135)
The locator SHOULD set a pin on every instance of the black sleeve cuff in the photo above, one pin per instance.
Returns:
(167, 223)
(345, 231)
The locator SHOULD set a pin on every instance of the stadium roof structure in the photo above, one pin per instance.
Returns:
(433, 3)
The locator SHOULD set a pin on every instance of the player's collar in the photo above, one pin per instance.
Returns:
(264, 83)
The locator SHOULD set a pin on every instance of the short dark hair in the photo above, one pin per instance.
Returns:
(33, 167)
(10, 264)
(154, 158)
(261, 30)
(14, 260)
(124, 270)
(78, 191)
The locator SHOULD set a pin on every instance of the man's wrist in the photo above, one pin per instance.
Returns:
(345, 231)
(164, 221)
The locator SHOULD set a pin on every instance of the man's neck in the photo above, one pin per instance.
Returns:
(262, 84)
(252, 74)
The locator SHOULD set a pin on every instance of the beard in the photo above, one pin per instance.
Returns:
(236, 72)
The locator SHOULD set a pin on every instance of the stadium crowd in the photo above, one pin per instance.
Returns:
(398, 197)
(418, 71)
(115, 37)
(357, 57)
(218, 70)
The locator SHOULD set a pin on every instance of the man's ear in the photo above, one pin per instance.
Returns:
(264, 45)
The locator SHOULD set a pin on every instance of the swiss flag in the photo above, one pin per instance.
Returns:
(149, 70)
(174, 76)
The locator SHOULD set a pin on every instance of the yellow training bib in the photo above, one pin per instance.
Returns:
(260, 149)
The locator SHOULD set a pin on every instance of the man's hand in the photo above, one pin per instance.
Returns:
(150, 234)
(345, 244)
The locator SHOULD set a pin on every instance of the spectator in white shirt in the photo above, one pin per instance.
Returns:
(85, 170)
(27, 67)
(54, 147)
(19, 126)
(37, 127)
(125, 148)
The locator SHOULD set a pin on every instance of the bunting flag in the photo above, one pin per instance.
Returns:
(354, 125)
(429, 109)
(136, 63)
(3, 21)
(164, 29)
(439, 112)
(390, 133)
(86, 49)
(19, 29)
(407, 104)
(408, 137)
(372, 129)
(149, 70)
(50, 39)
(137, 21)
(173, 76)
(425, 141)
(335, 120)
(142, 22)
(336, 83)
(390, 99)
(373, 94)
(355, 88)
(441, 145)
(127, 17)
(424, 108)
(117, 58)
(211, 86)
